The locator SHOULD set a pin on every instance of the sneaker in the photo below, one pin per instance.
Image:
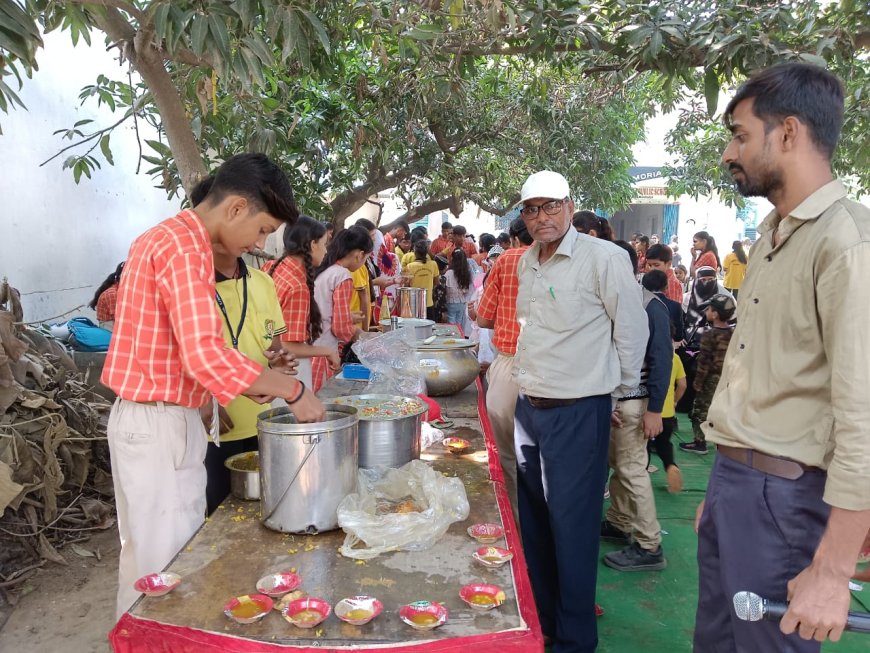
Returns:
(612, 533)
(675, 479)
(697, 447)
(652, 469)
(634, 558)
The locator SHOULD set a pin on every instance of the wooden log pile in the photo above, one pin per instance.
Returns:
(55, 476)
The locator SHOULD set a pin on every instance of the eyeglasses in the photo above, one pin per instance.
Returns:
(550, 208)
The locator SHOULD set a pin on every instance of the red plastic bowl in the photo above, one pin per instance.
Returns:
(157, 584)
(482, 596)
(358, 610)
(278, 584)
(306, 605)
(486, 533)
(492, 556)
(423, 615)
(248, 608)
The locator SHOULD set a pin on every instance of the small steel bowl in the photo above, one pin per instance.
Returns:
(486, 533)
(248, 608)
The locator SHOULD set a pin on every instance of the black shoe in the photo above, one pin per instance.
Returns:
(634, 558)
(612, 533)
(698, 447)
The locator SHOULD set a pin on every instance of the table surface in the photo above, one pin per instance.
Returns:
(233, 550)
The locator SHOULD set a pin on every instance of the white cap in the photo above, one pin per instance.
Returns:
(544, 184)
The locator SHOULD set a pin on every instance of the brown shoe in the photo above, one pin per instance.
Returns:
(675, 479)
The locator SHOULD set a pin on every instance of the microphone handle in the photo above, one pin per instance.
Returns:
(856, 622)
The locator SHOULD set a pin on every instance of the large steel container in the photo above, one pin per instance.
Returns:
(422, 328)
(412, 302)
(388, 440)
(306, 469)
(448, 367)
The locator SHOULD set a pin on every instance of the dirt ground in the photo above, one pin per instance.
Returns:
(68, 609)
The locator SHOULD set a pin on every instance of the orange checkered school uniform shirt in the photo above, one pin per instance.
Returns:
(293, 296)
(168, 340)
(106, 303)
(342, 328)
(675, 288)
(499, 300)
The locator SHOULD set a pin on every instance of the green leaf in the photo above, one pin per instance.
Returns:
(161, 16)
(290, 32)
(258, 46)
(106, 150)
(83, 122)
(711, 91)
(254, 65)
(159, 147)
(219, 33)
(198, 32)
(318, 29)
(302, 51)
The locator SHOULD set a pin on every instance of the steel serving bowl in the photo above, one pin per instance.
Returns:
(448, 366)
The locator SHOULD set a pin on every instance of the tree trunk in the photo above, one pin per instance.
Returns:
(182, 142)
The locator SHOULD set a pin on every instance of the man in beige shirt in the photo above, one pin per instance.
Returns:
(788, 504)
(583, 335)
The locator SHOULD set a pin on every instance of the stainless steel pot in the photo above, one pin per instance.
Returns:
(422, 328)
(306, 469)
(387, 441)
(447, 369)
(412, 302)
(244, 482)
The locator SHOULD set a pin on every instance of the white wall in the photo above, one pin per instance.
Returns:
(56, 235)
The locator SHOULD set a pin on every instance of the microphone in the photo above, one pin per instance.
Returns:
(751, 607)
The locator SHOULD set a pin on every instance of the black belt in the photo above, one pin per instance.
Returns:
(546, 402)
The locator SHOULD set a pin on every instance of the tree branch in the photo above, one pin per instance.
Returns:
(116, 4)
(416, 213)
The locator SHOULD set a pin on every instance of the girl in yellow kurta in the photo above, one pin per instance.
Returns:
(735, 268)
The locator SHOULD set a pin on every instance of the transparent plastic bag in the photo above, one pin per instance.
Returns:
(404, 509)
(391, 358)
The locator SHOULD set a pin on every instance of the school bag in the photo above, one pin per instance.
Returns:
(87, 336)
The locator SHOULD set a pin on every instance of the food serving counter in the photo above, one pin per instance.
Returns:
(233, 550)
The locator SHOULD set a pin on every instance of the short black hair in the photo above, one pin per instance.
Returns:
(655, 281)
(487, 242)
(811, 94)
(659, 252)
(401, 224)
(518, 229)
(503, 239)
(366, 224)
(255, 177)
(459, 230)
(446, 225)
(632, 255)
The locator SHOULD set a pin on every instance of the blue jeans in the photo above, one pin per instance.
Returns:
(458, 314)
(561, 469)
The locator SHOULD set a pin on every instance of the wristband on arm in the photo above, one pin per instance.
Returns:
(290, 402)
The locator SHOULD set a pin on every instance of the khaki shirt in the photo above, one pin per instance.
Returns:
(583, 329)
(796, 379)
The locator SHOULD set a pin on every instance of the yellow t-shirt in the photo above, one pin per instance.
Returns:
(263, 321)
(734, 272)
(677, 372)
(360, 280)
(408, 258)
(423, 275)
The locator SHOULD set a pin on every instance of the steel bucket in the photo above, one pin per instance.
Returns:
(306, 469)
(388, 441)
(412, 302)
(244, 483)
(422, 328)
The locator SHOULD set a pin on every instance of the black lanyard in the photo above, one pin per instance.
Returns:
(220, 302)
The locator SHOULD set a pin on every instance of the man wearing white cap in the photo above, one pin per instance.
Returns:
(583, 334)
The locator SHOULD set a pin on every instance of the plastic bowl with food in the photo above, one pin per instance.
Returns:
(157, 584)
(492, 556)
(423, 615)
(278, 584)
(358, 610)
(486, 533)
(307, 613)
(248, 608)
(482, 596)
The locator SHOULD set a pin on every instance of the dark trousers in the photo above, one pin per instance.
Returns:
(690, 364)
(561, 468)
(661, 444)
(217, 485)
(757, 532)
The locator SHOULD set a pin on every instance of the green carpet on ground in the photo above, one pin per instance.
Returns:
(654, 612)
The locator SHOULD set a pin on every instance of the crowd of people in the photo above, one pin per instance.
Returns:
(592, 345)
